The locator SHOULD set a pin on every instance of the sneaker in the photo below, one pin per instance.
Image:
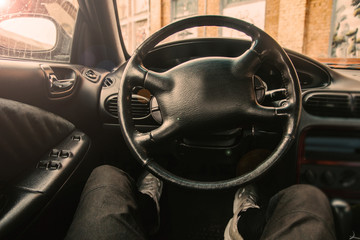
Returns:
(151, 186)
(245, 198)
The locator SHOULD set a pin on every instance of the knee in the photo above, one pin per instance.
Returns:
(106, 175)
(304, 192)
(305, 198)
(104, 170)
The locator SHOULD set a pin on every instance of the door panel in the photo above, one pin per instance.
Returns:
(36, 119)
(26, 199)
(27, 82)
(26, 133)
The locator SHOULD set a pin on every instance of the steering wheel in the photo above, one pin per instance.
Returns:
(206, 94)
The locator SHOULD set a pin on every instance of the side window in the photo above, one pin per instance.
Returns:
(37, 29)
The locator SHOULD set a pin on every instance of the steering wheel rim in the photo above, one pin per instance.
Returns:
(136, 74)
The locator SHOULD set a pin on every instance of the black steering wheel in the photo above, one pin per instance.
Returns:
(207, 94)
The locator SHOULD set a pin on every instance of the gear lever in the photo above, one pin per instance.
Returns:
(342, 218)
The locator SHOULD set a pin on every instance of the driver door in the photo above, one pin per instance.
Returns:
(44, 101)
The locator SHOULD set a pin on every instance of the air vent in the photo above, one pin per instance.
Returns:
(140, 106)
(328, 104)
(108, 82)
(111, 105)
(356, 105)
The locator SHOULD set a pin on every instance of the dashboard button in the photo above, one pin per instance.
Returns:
(309, 176)
(328, 178)
(64, 154)
(54, 165)
(42, 164)
(348, 179)
(76, 138)
(54, 153)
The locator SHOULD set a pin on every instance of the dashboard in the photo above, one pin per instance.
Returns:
(311, 74)
(330, 113)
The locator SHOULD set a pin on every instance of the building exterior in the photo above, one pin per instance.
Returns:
(317, 28)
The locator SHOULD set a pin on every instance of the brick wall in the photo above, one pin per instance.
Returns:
(165, 12)
(301, 25)
(213, 8)
(317, 28)
(272, 17)
(155, 13)
(292, 24)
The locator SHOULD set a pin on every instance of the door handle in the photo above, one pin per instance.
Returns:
(57, 86)
(60, 85)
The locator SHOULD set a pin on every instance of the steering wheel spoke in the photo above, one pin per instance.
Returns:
(166, 131)
(143, 139)
(136, 72)
(157, 82)
(248, 62)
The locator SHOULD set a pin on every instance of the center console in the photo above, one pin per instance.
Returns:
(329, 158)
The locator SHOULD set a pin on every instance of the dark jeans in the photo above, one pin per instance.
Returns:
(108, 210)
(299, 212)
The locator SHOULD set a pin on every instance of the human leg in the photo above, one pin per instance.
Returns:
(299, 212)
(108, 208)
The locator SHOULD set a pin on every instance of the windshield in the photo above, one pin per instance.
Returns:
(322, 29)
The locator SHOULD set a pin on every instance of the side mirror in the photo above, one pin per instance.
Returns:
(28, 33)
